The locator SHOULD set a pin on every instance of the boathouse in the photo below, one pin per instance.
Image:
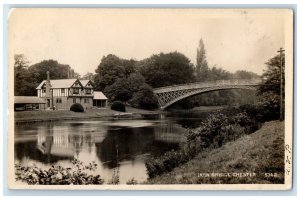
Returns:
(23, 103)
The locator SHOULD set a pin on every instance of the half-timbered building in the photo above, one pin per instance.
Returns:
(62, 93)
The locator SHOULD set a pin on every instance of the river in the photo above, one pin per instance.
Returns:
(112, 144)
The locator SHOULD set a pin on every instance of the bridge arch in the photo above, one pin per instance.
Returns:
(169, 95)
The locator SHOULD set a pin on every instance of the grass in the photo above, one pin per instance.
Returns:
(260, 153)
(61, 114)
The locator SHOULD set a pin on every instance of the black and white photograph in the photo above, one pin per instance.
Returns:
(150, 99)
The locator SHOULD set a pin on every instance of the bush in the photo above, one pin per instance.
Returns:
(166, 163)
(118, 106)
(57, 175)
(77, 107)
(213, 132)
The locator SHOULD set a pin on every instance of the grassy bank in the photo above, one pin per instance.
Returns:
(261, 153)
(66, 114)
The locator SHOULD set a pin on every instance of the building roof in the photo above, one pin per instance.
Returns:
(28, 99)
(99, 96)
(84, 82)
(59, 83)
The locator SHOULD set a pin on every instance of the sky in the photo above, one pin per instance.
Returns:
(234, 39)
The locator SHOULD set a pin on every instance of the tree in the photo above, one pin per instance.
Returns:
(269, 90)
(118, 91)
(144, 98)
(271, 76)
(166, 69)
(88, 76)
(39, 70)
(124, 88)
(218, 74)
(112, 68)
(20, 74)
(242, 74)
(201, 65)
(27, 78)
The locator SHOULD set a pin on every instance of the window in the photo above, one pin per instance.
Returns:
(58, 100)
(43, 90)
(88, 91)
(63, 90)
(74, 100)
(86, 100)
(75, 90)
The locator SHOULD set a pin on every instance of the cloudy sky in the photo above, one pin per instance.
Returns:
(234, 39)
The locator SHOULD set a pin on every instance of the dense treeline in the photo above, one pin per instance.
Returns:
(27, 78)
(132, 81)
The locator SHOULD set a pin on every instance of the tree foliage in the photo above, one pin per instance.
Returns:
(166, 69)
(112, 68)
(144, 98)
(57, 70)
(269, 90)
(124, 88)
(201, 65)
(22, 84)
(27, 78)
(271, 76)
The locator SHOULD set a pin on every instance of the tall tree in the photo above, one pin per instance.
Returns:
(201, 65)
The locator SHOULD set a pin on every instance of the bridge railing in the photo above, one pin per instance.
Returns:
(208, 84)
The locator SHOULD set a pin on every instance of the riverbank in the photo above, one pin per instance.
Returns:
(200, 109)
(54, 115)
(260, 154)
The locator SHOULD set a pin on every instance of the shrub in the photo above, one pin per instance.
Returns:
(165, 163)
(118, 106)
(57, 175)
(216, 130)
(77, 107)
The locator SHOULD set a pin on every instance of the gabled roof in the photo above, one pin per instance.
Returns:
(59, 83)
(28, 99)
(85, 82)
(99, 95)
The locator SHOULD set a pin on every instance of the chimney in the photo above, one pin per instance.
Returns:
(49, 95)
(68, 74)
(48, 85)
(48, 76)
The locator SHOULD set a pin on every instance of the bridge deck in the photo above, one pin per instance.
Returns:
(168, 95)
(207, 84)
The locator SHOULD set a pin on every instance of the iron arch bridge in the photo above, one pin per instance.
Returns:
(169, 95)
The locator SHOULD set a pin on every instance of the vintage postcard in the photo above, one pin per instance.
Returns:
(150, 99)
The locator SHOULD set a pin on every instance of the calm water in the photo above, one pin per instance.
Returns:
(112, 144)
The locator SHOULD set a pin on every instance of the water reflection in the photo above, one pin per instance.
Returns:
(124, 143)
